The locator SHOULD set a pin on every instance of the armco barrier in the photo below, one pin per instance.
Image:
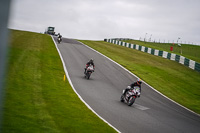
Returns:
(180, 59)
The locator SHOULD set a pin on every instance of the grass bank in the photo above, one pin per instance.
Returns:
(188, 51)
(174, 80)
(37, 99)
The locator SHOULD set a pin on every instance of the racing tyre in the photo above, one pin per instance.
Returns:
(122, 98)
(131, 101)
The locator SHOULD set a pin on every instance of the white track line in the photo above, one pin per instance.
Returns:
(143, 81)
(66, 72)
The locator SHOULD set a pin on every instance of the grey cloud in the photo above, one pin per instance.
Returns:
(99, 19)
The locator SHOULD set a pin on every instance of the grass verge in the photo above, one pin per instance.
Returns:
(188, 51)
(37, 99)
(174, 80)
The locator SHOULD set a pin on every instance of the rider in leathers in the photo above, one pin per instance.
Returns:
(60, 36)
(91, 62)
(138, 83)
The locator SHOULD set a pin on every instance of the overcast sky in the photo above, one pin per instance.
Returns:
(98, 19)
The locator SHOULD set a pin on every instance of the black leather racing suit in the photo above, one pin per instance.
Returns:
(88, 64)
(132, 86)
(60, 36)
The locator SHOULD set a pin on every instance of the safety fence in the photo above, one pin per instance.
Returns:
(178, 58)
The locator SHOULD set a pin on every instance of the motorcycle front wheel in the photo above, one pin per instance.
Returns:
(131, 101)
(88, 76)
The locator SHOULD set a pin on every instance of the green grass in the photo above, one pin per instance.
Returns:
(174, 80)
(37, 99)
(188, 51)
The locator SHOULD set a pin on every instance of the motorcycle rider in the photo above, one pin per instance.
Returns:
(137, 83)
(60, 36)
(90, 62)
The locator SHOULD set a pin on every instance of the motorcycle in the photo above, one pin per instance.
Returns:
(130, 96)
(59, 39)
(89, 71)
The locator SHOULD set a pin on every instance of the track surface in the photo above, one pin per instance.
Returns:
(150, 113)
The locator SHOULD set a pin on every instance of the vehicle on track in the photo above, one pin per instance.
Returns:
(59, 39)
(89, 71)
(50, 30)
(130, 96)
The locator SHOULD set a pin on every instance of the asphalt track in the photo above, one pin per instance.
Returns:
(151, 113)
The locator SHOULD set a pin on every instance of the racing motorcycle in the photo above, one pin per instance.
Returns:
(89, 71)
(59, 39)
(130, 96)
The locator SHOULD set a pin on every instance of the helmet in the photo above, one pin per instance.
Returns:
(91, 60)
(139, 81)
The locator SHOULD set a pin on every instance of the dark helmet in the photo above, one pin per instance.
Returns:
(91, 60)
(139, 81)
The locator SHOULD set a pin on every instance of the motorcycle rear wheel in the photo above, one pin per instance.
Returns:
(122, 98)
